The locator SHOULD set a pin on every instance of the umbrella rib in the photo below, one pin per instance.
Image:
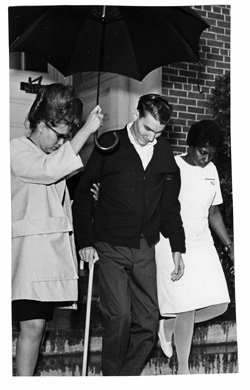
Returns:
(74, 50)
(27, 31)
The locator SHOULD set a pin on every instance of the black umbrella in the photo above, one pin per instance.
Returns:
(130, 41)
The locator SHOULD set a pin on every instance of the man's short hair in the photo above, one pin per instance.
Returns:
(156, 105)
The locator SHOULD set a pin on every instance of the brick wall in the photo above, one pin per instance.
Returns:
(180, 81)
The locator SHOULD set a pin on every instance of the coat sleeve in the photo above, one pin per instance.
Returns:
(34, 166)
(171, 222)
(84, 204)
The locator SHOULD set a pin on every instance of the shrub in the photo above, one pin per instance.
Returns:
(220, 110)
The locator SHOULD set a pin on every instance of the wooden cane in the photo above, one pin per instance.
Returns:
(87, 321)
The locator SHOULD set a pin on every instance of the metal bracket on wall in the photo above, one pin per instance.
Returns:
(30, 87)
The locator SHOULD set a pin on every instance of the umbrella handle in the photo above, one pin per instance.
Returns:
(108, 148)
(87, 321)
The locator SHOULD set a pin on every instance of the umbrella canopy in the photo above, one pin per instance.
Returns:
(130, 41)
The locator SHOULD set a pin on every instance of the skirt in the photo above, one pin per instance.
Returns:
(26, 309)
(203, 283)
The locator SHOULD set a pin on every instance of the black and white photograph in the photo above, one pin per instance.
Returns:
(126, 243)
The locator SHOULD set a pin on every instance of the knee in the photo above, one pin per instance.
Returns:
(221, 308)
(224, 307)
(32, 329)
(120, 314)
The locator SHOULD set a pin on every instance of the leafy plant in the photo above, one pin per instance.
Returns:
(220, 110)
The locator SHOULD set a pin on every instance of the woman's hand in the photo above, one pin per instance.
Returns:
(178, 266)
(95, 190)
(94, 120)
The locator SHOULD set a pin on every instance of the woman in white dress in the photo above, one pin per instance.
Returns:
(44, 266)
(201, 294)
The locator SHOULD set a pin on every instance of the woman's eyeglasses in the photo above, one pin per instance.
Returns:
(64, 137)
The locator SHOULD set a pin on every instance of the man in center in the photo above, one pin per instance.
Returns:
(138, 198)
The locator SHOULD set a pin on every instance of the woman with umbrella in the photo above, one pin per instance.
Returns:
(44, 266)
(201, 294)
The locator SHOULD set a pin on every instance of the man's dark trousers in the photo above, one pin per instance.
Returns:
(128, 302)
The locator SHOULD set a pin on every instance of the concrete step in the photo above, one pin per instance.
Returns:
(209, 360)
(214, 350)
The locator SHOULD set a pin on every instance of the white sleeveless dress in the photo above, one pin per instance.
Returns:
(203, 283)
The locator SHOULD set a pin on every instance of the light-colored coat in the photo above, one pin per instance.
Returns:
(44, 265)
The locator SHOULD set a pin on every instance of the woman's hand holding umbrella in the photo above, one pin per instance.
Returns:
(93, 122)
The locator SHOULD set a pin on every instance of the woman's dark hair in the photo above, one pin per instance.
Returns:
(156, 105)
(56, 104)
(205, 133)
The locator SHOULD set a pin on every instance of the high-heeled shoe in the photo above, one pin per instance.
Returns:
(166, 346)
